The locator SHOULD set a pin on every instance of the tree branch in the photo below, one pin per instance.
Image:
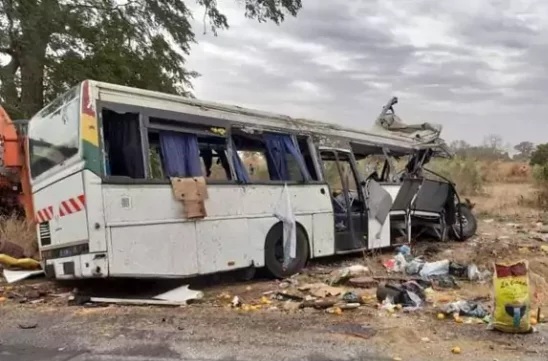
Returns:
(8, 51)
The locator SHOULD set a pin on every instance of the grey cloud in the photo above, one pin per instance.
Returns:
(363, 63)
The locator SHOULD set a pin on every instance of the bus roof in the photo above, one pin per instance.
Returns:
(254, 119)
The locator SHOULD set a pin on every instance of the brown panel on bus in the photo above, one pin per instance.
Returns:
(192, 192)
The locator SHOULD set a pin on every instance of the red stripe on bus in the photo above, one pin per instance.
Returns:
(72, 205)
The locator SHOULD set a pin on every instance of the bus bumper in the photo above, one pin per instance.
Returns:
(91, 265)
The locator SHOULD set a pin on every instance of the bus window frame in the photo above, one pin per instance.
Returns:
(241, 131)
(145, 113)
(57, 171)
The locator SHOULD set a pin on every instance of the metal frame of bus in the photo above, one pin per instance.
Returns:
(133, 227)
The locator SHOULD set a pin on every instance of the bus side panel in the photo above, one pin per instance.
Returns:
(95, 213)
(63, 205)
(150, 237)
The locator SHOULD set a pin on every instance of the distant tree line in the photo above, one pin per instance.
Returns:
(493, 148)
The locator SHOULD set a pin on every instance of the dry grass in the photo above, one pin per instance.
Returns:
(20, 232)
(506, 200)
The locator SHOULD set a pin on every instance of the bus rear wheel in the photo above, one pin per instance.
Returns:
(274, 252)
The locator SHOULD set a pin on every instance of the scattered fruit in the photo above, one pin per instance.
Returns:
(456, 350)
(265, 300)
(225, 296)
(2, 299)
(334, 311)
(533, 321)
(441, 316)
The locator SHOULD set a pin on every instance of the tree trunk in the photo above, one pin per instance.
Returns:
(32, 80)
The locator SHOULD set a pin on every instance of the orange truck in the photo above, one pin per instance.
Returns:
(15, 192)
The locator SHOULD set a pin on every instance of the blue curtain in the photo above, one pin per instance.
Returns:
(275, 157)
(239, 167)
(181, 154)
(277, 148)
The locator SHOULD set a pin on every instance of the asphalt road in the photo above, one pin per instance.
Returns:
(30, 353)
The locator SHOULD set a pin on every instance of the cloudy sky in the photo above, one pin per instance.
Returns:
(475, 66)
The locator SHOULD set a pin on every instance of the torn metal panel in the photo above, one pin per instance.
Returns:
(12, 276)
(231, 115)
(180, 294)
(423, 133)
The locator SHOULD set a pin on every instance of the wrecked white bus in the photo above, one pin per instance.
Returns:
(101, 158)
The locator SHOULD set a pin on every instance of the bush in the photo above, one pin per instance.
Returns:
(464, 172)
(540, 176)
(20, 232)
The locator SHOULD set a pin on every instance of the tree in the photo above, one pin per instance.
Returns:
(53, 44)
(540, 155)
(525, 149)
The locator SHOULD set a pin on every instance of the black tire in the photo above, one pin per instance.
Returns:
(273, 252)
(469, 226)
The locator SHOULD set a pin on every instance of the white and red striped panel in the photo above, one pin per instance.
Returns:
(44, 215)
(72, 205)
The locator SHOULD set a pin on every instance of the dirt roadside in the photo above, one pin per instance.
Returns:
(276, 329)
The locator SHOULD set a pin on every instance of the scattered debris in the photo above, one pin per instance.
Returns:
(438, 268)
(236, 302)
(446, 281)
(180, 294)
(27, 325)
(291, 306)
(321, 290)
(363, 282)
(456, 350)
(319, 304)
(465, 308)
(404, 250)
(22, 263)
(343, 274)
(351, 297)
(334, 311)
(288, 296)
(13, 276)
(409, 294)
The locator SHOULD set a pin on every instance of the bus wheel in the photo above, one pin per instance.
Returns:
(274, 255)
(469, 224)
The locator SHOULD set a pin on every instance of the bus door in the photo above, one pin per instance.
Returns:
(347, 197)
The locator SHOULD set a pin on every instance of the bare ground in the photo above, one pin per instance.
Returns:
(212, 329)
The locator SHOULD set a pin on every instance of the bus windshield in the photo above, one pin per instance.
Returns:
(53, 133)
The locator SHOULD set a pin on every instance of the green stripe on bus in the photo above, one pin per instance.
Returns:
(92, 156)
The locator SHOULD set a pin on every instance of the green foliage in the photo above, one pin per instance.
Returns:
(525, 149)
(540, 155)
(540, 172)
(464, 172)
(540, 175)
(53, 44)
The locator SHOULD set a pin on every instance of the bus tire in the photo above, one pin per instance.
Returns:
(469, 226)
(273, 252)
